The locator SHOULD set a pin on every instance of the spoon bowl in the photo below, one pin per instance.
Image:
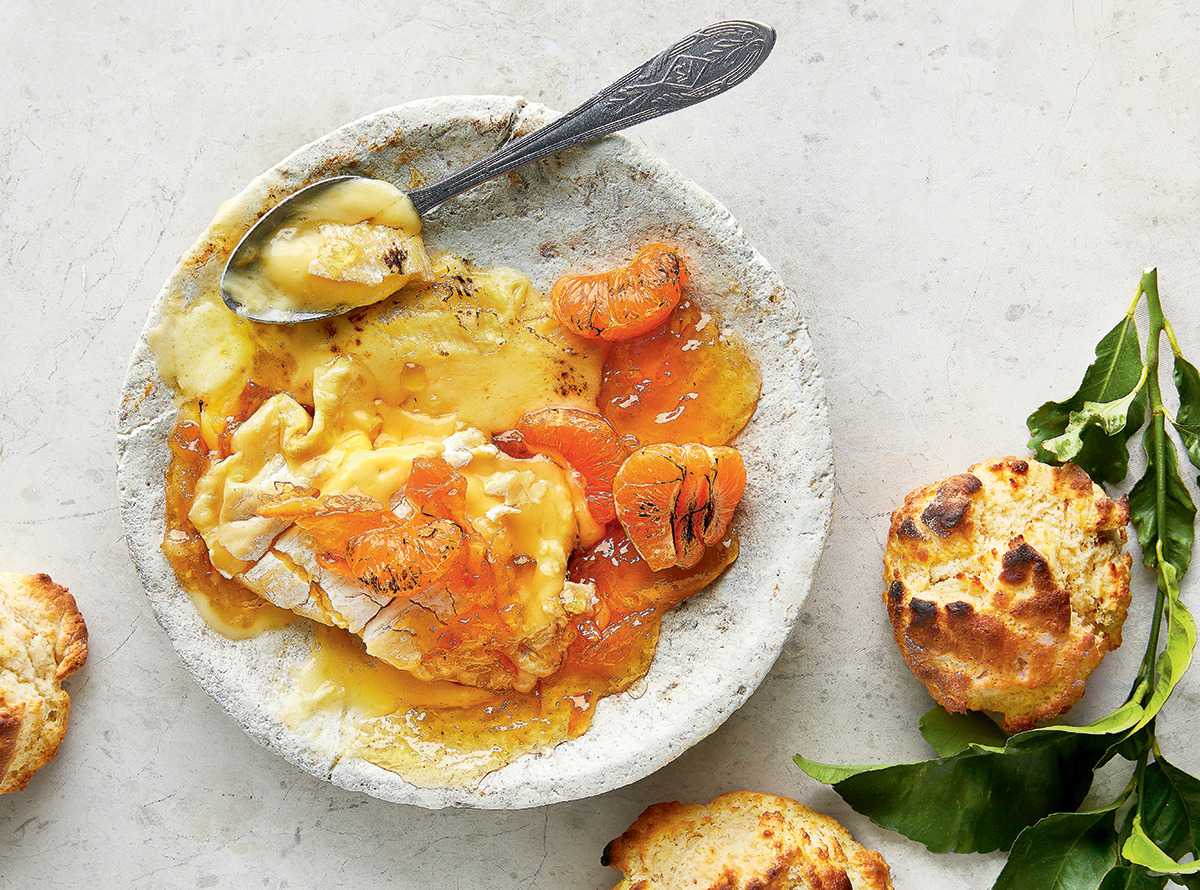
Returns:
(702, 65)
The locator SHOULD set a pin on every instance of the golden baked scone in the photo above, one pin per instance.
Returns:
(1006, 585)
(742, 840)
(42, 641)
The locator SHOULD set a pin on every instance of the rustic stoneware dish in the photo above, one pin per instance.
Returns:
(583, 209)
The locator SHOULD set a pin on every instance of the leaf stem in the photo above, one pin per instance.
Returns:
(1158, 323)
(1149, 286)
(1137, 296)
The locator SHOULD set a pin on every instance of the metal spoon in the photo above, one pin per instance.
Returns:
(699, 66)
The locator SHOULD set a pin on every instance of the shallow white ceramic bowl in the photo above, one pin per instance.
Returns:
(586, 208)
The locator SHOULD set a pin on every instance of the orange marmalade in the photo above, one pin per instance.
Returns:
(361, 406)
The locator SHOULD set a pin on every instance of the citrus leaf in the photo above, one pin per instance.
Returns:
(830, 773)
(1187, 383)
(1162, 472)
(1141, 850)
(1181, 640)
(980, 799)
(1113, 375)
(1110, 417)
(1064, 851)
(1171, 803)
(950, 733)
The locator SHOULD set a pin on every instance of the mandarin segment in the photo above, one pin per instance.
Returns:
(645, 494)
(436, 488)
(405, 557)
(622, 303)
(672, 500)
(358, 536)
(583, 441)
(729, 484)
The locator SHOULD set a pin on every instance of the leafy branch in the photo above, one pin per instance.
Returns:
(1022, 794)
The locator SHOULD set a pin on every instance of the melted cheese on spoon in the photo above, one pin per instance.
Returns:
(353, 243)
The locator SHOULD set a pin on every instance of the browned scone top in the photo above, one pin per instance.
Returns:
(742, 841)
(42, 641)
(1006, 585)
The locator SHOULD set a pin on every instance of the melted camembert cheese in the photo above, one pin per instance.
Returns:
(352, 443)
(345, 405)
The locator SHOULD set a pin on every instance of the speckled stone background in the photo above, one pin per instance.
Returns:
(962, 194)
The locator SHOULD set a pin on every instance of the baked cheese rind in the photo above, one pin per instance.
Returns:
(742, 840)
(43, 640)
(1006, 585)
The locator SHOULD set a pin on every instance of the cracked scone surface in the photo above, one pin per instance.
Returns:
(742, 840)
(1006, 585)
(43, 640)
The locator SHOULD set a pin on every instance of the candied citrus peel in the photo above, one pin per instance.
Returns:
(674, 500)
(583, 441)
(622, 303)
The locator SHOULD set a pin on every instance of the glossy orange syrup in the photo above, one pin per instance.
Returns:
(224, 603)
(684, 381)
(681, 382)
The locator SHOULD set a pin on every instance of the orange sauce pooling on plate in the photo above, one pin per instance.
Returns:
(225, 604)
(684, 381)
(681, 382)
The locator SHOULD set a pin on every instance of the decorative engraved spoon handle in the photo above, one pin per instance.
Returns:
(699, 66)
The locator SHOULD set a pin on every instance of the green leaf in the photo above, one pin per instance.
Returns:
(1131, 877)
(1064, 851)
(1114, 375)
(830, 773)
(1141, 850)
(1161, 479)
(951, 733)
(1110, 417)
(1187, 383)
(1171, 802)
(980, 799)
